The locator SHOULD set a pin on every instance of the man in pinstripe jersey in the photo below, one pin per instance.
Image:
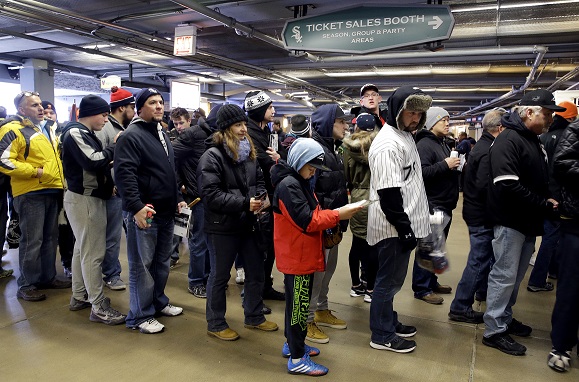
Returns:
(402, 215)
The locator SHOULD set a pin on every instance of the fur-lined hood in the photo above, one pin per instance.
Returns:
(409, 98)
(358, 144)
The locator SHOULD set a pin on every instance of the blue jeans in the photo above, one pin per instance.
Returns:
(512, 251)
(547, 251)
(38, 215)
(476, 271)
(148, 252)
(111, 263)
(198, 251)
(222, 251)
(392, 269)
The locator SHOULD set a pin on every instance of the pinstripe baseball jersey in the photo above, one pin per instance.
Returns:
(394, 163)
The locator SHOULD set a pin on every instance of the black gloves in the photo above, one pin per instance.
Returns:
(407, 239)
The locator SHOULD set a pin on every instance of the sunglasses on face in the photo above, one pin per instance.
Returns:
(21, 96)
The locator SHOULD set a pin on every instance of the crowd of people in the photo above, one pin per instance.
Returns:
(260, 196)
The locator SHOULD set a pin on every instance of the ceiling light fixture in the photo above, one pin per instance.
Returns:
(510, 6)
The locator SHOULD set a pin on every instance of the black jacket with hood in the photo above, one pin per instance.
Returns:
(476, 181)
(225, 188)
(144, 172)
(566, 172)
(440, 182)
(330, 186)
(519, 179)
(189, 147)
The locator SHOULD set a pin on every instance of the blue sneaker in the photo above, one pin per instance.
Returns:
(306, 366)
(310, 350)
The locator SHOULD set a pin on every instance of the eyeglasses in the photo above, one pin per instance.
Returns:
(21, 96)
(371, 95)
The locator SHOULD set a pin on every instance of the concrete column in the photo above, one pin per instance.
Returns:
(36, 76)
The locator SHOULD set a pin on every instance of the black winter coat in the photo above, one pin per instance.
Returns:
(440, 182)
(260, 138)
(476, 182)
(550, 141)
(330, 186)
(225, 188)
(519, 179)
(144, 172)
(566, 171)
(189, 147)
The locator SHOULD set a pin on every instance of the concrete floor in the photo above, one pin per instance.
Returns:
(45, 341)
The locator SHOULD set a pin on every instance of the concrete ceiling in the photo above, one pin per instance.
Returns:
(496, 50)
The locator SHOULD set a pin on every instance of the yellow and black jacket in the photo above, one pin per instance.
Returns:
(23, 149)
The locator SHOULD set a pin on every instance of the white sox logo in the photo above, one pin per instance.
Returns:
(297, 35)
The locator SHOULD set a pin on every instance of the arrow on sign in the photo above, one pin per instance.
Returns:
(436, 22)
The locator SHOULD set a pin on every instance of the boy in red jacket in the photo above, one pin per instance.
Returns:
(298, 226)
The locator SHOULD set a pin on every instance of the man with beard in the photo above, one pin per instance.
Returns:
(146, 180)
(400, 217)
(122, 112)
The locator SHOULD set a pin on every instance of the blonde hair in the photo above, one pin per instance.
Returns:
(226, 137)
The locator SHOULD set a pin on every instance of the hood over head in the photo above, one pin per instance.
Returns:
(212, 117)
(407, 98)
(323, 119)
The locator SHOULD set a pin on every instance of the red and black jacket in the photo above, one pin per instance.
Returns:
(298, 223)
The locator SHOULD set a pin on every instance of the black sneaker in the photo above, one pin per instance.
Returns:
(470, 316)
(358, 291)
(545, 288)
(265, 310)
(517, 328)
(398, 345)
(272, 294)
(405, 331)
(504, 343)
(199, 291)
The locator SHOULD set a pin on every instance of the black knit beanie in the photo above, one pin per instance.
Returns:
(256, 104)
(143, 95)
(49, 105)
(228, 115)
(92, 105)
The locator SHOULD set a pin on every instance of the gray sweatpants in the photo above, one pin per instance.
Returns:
(321, 285)
(88, 219)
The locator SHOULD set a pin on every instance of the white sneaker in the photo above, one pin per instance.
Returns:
(171, 310)
(240, 278)
(151, 326)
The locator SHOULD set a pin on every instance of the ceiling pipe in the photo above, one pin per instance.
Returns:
(249, 69)
(572, 74)
(92, 51)
(434, 55)
(541, 51)
(290, 97)
(233, 23)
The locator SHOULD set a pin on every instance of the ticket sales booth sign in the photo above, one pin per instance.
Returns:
(365, 29)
